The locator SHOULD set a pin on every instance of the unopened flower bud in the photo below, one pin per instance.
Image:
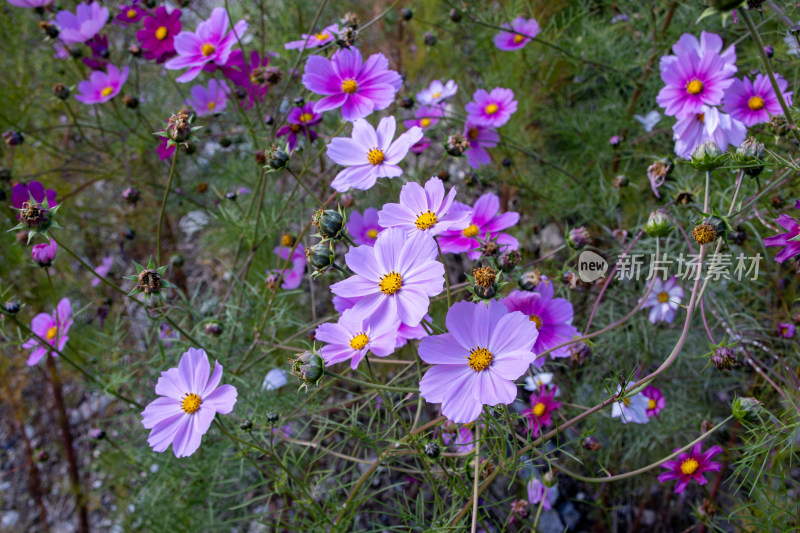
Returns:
(509, 260)
(724, 358)
(260, 157)
(456, 144)
(658, 225)
(213, 328)
(708, 156)
(179, 126)
(620, 182)
(770, 51)
(299, 101)
(432, 450)
(131, 102)
(276, 157)
(35, 216)
(592, 444)
(529, 280)
(577, 238)
(246, 425)
(406, 102)
(350, 19)
(98, 434)
(747, 409)
(406, 13)
(330, 223)
(430, 39)
(319, 257)
(61, 91)
(49, 28)
(130, 195)
(308, 367)
(12, 307)
(177, 260)
(13, 138)
(455, 15)
(750, 154)
(135, 51)
(272, 417)
(704, 233)
(44, 254)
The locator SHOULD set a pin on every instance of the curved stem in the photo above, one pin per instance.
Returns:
(164, 205)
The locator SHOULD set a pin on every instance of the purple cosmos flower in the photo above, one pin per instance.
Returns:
(709, 125)
(486, 348)
(85, 23)
(99, 46)
(696, 76)
(462, 439)
(664, 300)
(542, 406)
(522, 31)
(364, 229)
(358, 87)
(293, 276)
(165, 150)
(480, 138)
(655, 400)
(424, 210)
(790, 240)
(252, 75)
(210, 42)
(752, 102)
(356, 334)
(21, 194)
(105, 267)
(631, 408)
(437, 92)
(552, 317)
(786, 330)
(44, 254)
(158, 34)
(396, 277)
(129, 14)
(53, 329)
(30, 4)
(369, 154)
(300, 120)
(314, 40)
(167, 334)
(491, 109)
(538, 492)
(484, 221)
(420, 146)
(426, 116)
(209, 101)
(690, 466)
(102, 86)
(405, 333)
(189, 401)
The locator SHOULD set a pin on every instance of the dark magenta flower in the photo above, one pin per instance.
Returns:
(484, 221)
(158, 34)
(21, 193)
(690, 466)
(44, 254)
(786, 330)
(129, 14)
(789, 240)
(300, 120)
(364, 229)
(540, 413)
(655, 401)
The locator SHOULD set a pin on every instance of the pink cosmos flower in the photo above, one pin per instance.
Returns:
(370, 154)
(476, 362)
(709, 124)
(462, 439)
(752, 102)
(158, 33)
(424, 210)
(102, 86)
(85, 23)
(396, 277)
(356, 334)
(105, 267)
(165, 150)
(420, 146)
(483, 222)
(21, 193)
(437, 92)
(358, 87)
(300, 120)
(708, 42)
(480, 138)
(789, 240)
(210, 42)
(786, 330)
(129, 14)
(30, 4)
(364, 229)
(491, 109)
(293, 276)
(251, 76)
(209, 101)
(655, 401)
(523, 30)
(44, 254)
(538, 492)
(314, 40)
(690, 466)
(189, 401)
(540, 413)
(53, 329)
(405, 333)
(631, 408)
(664, 300)
(426, 116)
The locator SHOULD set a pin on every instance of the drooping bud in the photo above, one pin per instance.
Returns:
(658, 225)
(456, 144)
(704, 233)
(579, 237)
(308, 367)
(319, 257)
(708, 156)
(750, 154)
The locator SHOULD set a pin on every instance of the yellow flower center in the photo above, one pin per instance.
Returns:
(689, 466)
(161, 33)
(372, 234)
(287, 240)
(627, 402)
(349, 86)
(391, 283)
(208, 49)
(375, 156)
(701, 117)
(651, 404)
(106, 91)
(294, 128)
(321, 36)
(426, 220)
(479, 359)
(473, 133)
(518, 38)
(536, 320)
(471, 231)
(491, 109)
(437, 95)
(359, 341)
(425, 122)
(539, 409)
(211, 105)
(306, 117)
(694, 87)
(131, 13)
(663, 297)
(756, 103)
(191, 403)
(51, 333)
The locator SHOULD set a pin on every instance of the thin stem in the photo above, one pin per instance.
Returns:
(371, 385)
(476, 474)
(164, 206)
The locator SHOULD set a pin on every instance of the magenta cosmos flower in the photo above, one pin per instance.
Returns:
(250, 75)
(211, 42)
(358, 87)
(21, 194)
(364, 229)
(314, 40)
(102, 86)
(437, 92)
(424, 210)
(188, 404)
(102, 270)
(30, 4)
(292, 277)
(522, 31)
(551, 316)
(664, 300)
(158, 34)
(786, 330)
(708, 125)
(209, 100)
(300, 120)
(44, 254)
(396, 277)
(752, 102)
(484, 221)
(53, 329)
(425, 117)
(476, 362)
(85, 23)
(129, 14)
(356, 334)
(480, 138)
(491, 109)
(540, 413)
(655, 401)
(690, 466)
(370, 154)
(790, 240)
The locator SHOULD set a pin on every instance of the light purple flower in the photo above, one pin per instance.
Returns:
(85, 23)
(690, 466)
(209, 101)
(53, 329)
(293, 276)
(655, 400)
(437, 92)
(396, 277)
(300, 120)
(189, 401)
(210, 42)
(476, 362)
(664, 300)
(356, 334)
(491, 109)
(786, 330)
(752, 102)
(426, 116)
(538, 492)
(405, 332)
(314, 40)
(30, 4)
(358, 87)
(424, 210)
(44, 254)
(631, 408)
(480, 138)
(102, 86)
(484, 221)
(370, 154)
(105, 267)
(789, 240)
(523, 30)
(709, 125)
(462, 439)
(364, 229)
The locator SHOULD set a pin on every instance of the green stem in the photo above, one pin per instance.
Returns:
(164, 206)
(368, 384)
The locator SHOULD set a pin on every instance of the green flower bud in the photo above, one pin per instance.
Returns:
(708, 156)
(308, 367)
(330, 223)
(747, 409)
(750, 155)
(657, 225)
